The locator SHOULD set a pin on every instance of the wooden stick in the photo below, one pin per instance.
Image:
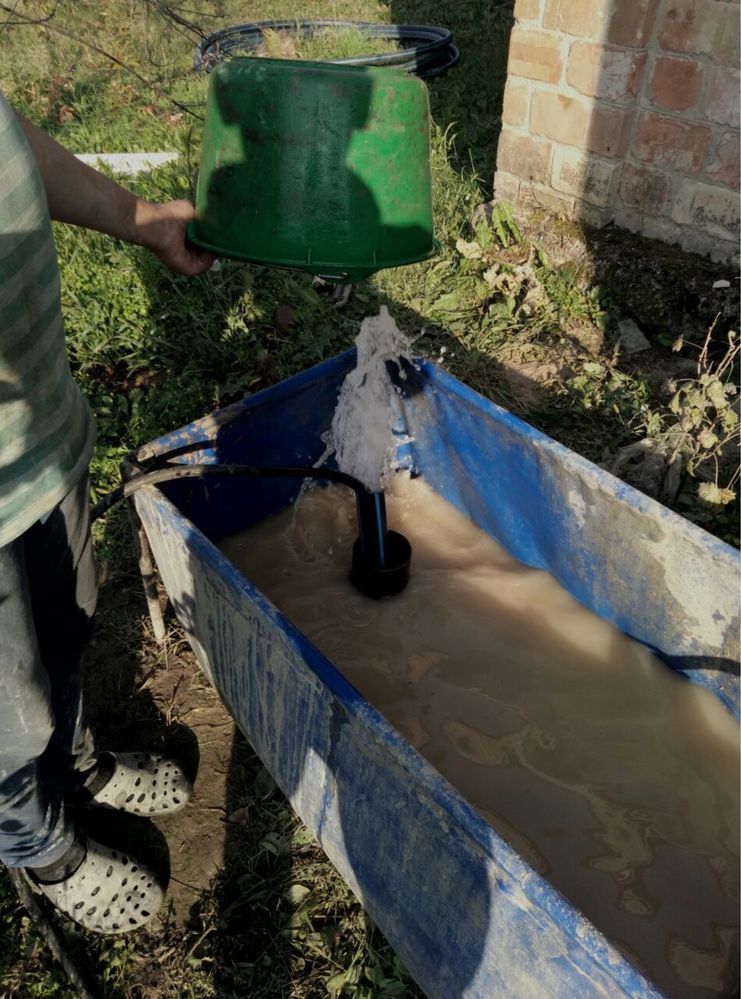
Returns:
(148, 573)
(47, 931)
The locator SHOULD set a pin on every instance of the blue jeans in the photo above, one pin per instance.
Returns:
(48, 592)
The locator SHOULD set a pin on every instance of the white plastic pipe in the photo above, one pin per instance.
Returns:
(128, 162)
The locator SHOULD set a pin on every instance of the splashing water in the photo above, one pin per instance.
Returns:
(368, 406)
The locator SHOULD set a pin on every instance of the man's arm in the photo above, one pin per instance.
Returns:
(80, 195)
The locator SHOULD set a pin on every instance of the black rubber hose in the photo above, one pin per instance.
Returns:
(429, 51)
(380, 558)
(201, 471)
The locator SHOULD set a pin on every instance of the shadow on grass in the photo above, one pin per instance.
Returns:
(468, 99)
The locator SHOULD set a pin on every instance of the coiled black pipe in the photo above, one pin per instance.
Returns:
(428, 52)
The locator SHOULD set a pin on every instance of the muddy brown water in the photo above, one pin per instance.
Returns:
(614, 778)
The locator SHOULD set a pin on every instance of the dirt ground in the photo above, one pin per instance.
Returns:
(141, 695)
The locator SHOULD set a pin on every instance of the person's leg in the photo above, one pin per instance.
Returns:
(47, 598)
(63, 588)
(33, 827)
(63, 591)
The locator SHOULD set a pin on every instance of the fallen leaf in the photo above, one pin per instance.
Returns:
(239, 816)
(710, 493)
(285, 318)
(296, 893)
(471, 251)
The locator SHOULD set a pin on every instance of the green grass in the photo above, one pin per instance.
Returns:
(285, 920)
(336, 43)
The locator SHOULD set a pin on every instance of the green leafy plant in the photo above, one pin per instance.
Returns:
(707, 432)
(504, 225)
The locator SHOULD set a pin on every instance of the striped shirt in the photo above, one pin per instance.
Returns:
(46, 429)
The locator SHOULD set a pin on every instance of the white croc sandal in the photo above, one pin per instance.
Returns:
(139, 783)
(108, 893)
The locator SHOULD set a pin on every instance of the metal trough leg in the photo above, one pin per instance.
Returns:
(147, 565)
(148, 571)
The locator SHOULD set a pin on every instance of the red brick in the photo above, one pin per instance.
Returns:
(704, 27)
(542, 196)
(527, 10)
(516, 105)
(524, 156)
(535, 55)
(584, 18)
(660, 228)
(612, 74)
(721, 97)
(609, 131)
(632, 22)
(725, 168)
(694, 241)
(583, 176)
(593, 216)
(506, 187)
(671, 143)
(565, 119)
(643, 188)
(676, 83)
(712, 209)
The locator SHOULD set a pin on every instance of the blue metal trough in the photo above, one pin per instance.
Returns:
(468, 916)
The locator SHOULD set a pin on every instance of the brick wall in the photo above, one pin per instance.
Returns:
(627, 111)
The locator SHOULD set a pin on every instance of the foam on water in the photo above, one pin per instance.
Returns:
(368, 406)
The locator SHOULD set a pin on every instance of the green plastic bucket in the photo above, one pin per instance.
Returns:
(316, 166)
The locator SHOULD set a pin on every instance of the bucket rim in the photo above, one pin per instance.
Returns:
(329, 269)
(312, 65)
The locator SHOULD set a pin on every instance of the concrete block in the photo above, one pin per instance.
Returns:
(631, 337)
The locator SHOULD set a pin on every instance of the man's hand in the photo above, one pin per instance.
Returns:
(162, 229)
(82, 196)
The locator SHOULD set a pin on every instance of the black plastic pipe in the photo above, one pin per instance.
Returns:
(381, 558)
